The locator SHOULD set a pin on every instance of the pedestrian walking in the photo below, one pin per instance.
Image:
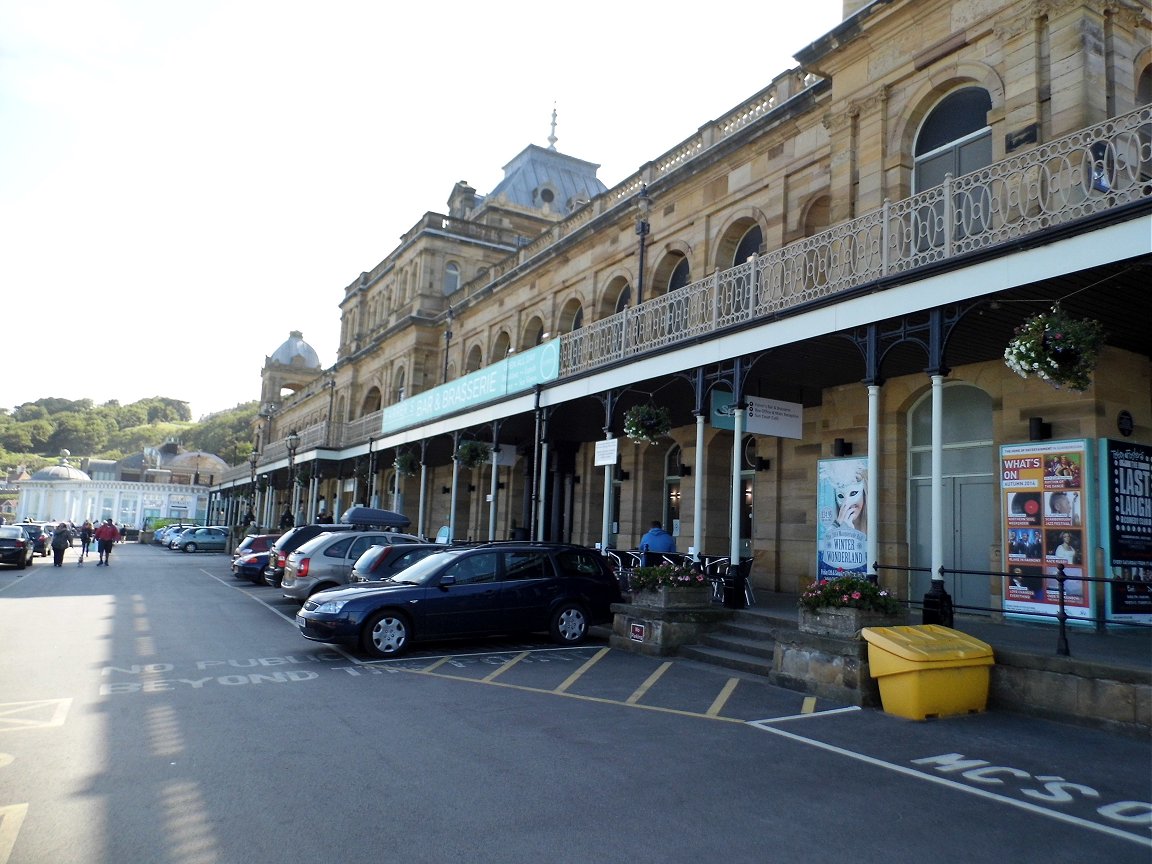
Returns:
(61, 540)
(106, 536)
(86, 531)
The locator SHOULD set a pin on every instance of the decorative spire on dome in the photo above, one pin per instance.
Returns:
(552, 138)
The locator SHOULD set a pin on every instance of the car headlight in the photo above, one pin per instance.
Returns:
(331, 607)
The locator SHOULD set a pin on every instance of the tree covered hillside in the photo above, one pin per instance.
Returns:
(33, 434)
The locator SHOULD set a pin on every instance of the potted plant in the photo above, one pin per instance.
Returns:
(667, 585)
(844, 605)
(406, 463)
(472, 454)
(1056, 348)
(647, 423)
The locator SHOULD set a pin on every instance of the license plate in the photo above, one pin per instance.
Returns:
(300, 622)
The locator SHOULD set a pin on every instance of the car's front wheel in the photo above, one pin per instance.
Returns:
(385, 635)
(569, 624)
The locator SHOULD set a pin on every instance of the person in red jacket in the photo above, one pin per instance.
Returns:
(106, 536)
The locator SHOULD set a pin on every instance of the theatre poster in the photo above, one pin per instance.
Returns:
(1047, 523)
(1126, 535)
(841, 518)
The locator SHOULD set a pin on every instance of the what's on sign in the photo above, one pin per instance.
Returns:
(637, 632)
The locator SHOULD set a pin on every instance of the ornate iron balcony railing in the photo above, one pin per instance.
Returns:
(1099, 168)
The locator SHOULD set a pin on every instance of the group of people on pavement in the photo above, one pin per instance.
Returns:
(106, 535)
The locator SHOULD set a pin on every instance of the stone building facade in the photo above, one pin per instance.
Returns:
(855, 244)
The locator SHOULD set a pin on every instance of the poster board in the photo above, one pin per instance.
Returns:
(1126, 529)
(1046, 514)
(842, 517)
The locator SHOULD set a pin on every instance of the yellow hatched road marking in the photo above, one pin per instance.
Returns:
(575, 676)
(722, 699)
(504, 667)
(646, 686)
(438, 663)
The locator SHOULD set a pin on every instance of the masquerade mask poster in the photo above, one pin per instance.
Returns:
(842, 523)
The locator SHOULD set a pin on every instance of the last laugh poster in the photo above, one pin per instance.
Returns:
(1127, 469)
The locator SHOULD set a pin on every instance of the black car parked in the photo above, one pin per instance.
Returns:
(15, 547)
(38, 536)
(354, 518)
(469, 591)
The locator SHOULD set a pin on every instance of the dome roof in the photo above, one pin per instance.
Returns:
(296, 352)
(61, 472)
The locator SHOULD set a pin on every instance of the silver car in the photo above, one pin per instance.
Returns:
(210, 539)
(326, 560)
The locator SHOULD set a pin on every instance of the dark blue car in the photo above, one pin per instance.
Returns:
(469, 591)
(250, 566)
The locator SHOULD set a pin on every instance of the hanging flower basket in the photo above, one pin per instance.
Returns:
(1062, 351)
(406, 463)
(472, 454)
(646, 423)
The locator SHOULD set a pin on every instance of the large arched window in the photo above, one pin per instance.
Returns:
(748, 246)
(451, 278)
(680, 276)
(955, 138)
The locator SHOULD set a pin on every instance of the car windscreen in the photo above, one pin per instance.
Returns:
(423, 571)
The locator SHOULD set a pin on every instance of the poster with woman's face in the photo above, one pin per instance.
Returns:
(842, 517)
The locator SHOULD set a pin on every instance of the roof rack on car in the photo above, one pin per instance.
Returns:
(371, 517)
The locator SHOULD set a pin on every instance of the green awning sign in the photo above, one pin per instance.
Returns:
(516, 374)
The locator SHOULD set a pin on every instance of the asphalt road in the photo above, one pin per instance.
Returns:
(159, 711)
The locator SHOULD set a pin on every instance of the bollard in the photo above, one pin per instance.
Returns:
(938, 605)
(734, 587)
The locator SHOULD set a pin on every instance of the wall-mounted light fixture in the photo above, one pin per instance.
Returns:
(1038, 430)
(685, 470)
(444, 490)
(840, 447)
(762, 464)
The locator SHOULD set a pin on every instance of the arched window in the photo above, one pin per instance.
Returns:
(1143, 97)
(475, 359)
(680, 276)
(398, 386)
(624, 300)
(748, 246)
(451, 278)
(502, 347)
(371, 401)
(955, 138)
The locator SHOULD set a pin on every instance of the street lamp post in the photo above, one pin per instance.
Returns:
(447, 344)
(292, 442)
(253, 458)
(643, 207)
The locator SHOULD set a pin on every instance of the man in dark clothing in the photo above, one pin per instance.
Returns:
(286, 521)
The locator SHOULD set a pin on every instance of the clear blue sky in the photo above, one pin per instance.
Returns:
(183, 183)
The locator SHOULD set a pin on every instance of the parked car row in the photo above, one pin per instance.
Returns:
(377, 590)
(15, 546)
